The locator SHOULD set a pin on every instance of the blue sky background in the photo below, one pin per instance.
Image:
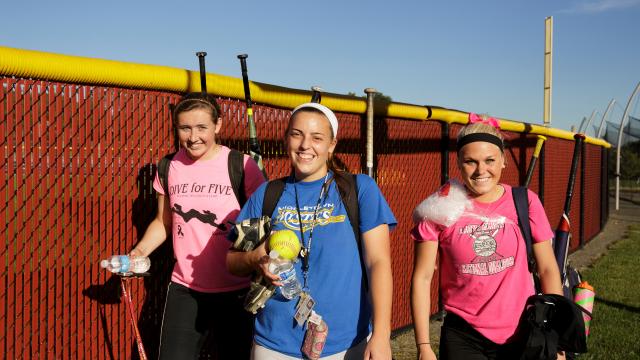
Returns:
(478, 56)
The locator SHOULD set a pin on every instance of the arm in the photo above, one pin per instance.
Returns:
(542, 249)
(547, 268)
(424, 264)
(241, 263)
(548, 272)
(377, 260)
(157, 231)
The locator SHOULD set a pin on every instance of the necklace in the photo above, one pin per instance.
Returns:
(305, 252)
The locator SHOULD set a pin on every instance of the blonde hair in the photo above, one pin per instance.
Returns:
(479, 128)
(484, 129)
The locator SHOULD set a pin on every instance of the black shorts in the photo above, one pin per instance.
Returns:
(458, 340)
(214, 323)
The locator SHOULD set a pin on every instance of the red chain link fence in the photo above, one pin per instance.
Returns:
(75, 187)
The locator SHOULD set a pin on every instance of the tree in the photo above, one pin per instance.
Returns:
(629, 161)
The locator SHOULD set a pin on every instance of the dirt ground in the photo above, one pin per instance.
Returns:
(403, 342)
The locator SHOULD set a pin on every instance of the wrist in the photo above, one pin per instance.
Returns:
(380, 331)
(256, 258)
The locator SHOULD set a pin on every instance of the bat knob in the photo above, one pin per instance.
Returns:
(201, 54)
(243, 56)
(579, 136)
(317, 94)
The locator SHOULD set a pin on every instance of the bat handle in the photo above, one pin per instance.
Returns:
(539, 143)
(203, 73)
(534, 159)
(316, 95)
(245, 79)
(579, 137)
(243, 62)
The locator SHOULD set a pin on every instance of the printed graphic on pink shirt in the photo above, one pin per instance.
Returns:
(203, 204)
(206, 217)
(487, 260)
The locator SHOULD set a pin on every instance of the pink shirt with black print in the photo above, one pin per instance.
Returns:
(483, 262)
(202, 205)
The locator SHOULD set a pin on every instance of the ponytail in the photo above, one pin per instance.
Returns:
(340, 174)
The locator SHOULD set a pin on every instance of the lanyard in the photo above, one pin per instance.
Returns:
(306, 249)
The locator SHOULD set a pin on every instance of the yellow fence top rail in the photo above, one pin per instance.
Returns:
(82, 70)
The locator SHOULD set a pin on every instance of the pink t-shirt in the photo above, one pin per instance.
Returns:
(484, 274)
(202, 203)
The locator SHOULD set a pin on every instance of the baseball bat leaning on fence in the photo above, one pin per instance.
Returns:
(534, 160)
(254, 145)
(563, 235)
(203, 73)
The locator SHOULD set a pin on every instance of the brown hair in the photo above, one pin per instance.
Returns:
(193, 101)
(339, 171)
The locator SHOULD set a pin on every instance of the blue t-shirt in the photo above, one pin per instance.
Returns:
(335, 275)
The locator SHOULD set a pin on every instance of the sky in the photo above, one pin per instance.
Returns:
(476, 56)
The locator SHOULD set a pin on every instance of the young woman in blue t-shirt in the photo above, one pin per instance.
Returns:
(358, 314)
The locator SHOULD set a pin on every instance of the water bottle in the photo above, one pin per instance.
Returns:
(284, 268)
(126, 264)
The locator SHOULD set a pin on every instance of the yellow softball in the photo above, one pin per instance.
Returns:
(286, 243)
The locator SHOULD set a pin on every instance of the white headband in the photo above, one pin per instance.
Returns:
(333, 120)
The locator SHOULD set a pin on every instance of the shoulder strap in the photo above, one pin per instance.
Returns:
(351, 203)
(353, 212)
(271, 195)
(235, 164)
(521, 200)
(163, 172)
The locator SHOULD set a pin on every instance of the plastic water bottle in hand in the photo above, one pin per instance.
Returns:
(126, 264)
(284, 269)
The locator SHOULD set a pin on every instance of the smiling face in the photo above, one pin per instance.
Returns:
(309, 142)
(481, 165)
(197, 133)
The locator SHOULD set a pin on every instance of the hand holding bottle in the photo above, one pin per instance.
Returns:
(287, 272)
(125, 264)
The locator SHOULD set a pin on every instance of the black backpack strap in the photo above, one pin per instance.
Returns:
(236, 175)
(353, 212)
(351, 203)
(271, 195)
(163, 172)
(521, 201)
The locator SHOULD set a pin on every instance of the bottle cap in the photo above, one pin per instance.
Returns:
(274, 254)
(585, 285)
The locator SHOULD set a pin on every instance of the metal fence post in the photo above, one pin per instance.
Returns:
(370, 94)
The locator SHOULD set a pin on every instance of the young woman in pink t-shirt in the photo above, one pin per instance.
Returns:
(196, 207)
(484, 278)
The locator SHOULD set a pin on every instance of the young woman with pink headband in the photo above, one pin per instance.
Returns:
(484, 277)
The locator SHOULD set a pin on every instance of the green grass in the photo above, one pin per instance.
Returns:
(615, 328)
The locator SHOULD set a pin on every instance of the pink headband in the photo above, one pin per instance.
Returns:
(476, 119)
